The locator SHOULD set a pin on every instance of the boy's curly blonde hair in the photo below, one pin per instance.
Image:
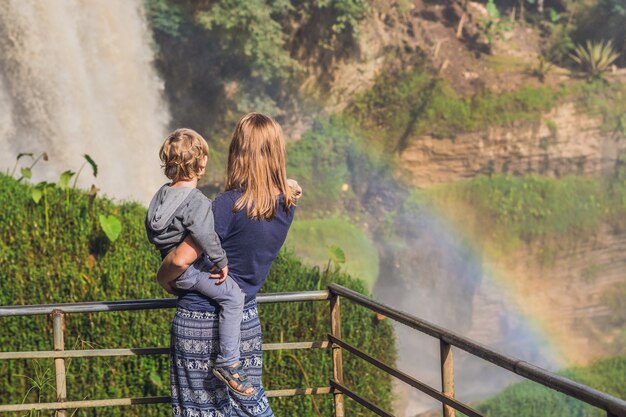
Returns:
(182, 153)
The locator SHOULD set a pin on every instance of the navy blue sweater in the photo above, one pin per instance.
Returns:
(251, 246)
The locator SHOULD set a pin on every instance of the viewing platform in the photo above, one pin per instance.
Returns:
(614, 407)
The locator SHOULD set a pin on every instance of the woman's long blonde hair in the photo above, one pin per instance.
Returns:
(256, 166)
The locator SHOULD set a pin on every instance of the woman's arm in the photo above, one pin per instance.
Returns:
(176, 262)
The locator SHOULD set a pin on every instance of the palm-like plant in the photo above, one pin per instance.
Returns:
(595, 58)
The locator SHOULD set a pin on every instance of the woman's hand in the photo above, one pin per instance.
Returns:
(176, 262)
(296, 190)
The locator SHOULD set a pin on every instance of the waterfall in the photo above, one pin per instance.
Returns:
(76, 77)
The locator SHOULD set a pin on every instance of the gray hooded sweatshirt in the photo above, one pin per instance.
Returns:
(176, 212)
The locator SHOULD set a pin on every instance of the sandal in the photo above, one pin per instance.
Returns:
(227, 374)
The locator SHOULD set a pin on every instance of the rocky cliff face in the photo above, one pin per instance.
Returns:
(565, 141)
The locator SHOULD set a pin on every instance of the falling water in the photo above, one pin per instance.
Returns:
(76, 77)
(440, 278)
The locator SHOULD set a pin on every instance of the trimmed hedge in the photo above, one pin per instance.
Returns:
(72, 260)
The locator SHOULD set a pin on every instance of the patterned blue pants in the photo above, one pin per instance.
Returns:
(196, 392)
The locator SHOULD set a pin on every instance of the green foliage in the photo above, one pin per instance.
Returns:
(602, 20)
(320, 162)
(559, 43)
(528, 208)
(250, 27)
(346, 14)
(493, 25)
(528, 399)
(318, 240)
(65, 178)
(27, 172)
(75, 261)
(595, 58)
(608, 100)
(166, 16)
(359, 326)
(336, 255)
(408, 103)
(111, 226)
(541, 69)
(222, 58)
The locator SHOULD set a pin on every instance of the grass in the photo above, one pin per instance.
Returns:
(310, 240)
(505, 211)
(528, 399)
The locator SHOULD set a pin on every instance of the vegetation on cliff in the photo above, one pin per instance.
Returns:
(73, 260)
(513, 210)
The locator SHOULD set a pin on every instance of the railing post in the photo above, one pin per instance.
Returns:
(335, 330)
(58, 324)
(447, 376)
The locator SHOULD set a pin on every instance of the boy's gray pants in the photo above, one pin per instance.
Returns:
(230, 298)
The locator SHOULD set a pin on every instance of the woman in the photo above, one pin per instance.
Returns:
(252, 218)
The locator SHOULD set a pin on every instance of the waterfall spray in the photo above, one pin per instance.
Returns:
(77, 78)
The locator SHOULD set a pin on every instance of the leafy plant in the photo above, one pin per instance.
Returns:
(594, 58)
(542, 68)
(166, 16)
(65, 178)
(92, 163)
(111, 226)
(27, 172)
(40, 381)
(250, 28)
(336, 255)
(494, 24)
(37, 192)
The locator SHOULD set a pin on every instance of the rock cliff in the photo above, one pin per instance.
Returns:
(566, 141)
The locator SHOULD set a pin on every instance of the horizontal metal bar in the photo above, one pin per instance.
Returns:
(298, 391)
(88, 353)
(544, 377)
(83, 404)
(428, 390)
(359, 399)
(296, 345)
(143, 400)
(149, 304)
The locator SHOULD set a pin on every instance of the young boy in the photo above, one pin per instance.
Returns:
(179, 209)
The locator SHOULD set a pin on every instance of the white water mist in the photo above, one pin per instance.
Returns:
(76, 77)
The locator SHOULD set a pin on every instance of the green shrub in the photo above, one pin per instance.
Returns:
(523, 209)
(311, 240)
(74, 261)
(407, 103)
(528, 399)
(594, 58)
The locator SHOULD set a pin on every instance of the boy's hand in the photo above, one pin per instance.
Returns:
(220, 275)
(296, 190)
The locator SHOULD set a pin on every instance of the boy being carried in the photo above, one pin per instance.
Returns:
(179, 209)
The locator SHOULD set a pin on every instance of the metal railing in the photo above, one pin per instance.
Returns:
(613, 406)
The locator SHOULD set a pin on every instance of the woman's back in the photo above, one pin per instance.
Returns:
(251, 246)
